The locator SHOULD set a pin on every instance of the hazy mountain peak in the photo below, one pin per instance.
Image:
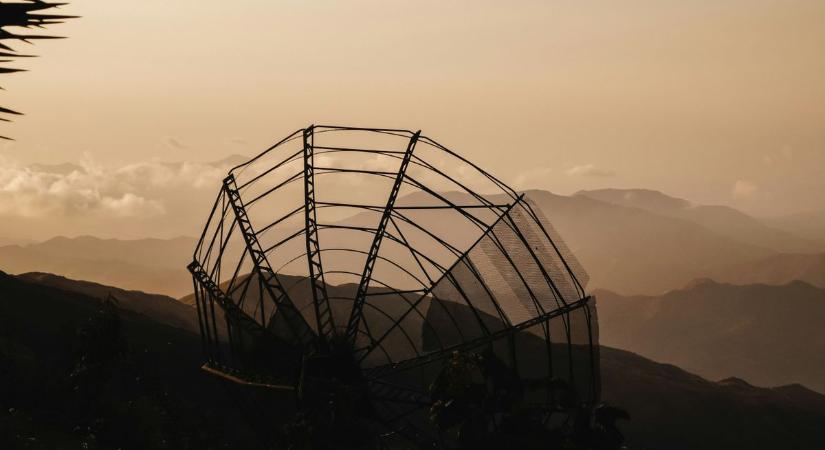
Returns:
(639, 198)
(700, 283)
(720, 219)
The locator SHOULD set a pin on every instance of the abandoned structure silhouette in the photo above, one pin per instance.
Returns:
(407, 297)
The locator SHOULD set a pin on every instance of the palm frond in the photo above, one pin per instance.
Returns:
(25, 14)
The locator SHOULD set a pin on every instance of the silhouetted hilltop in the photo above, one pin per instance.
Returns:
(160, 308)
(672, 409)
(74, 376)
(149, 265)
(768, 335)
(158, 393)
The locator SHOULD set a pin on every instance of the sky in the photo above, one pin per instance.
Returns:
(718, 102)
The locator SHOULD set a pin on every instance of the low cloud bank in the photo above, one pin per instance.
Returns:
(87, 188)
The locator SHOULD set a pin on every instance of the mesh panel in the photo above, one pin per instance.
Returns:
(512, 269)
(543, 230)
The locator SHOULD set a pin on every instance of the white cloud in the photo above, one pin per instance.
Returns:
(589, 170)
(130, 205)
(533, 178)
(133, 190)
(744, 189)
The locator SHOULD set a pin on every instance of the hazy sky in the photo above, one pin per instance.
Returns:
(717, 101)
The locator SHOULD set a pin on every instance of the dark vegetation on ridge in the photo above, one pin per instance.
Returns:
(76, 370)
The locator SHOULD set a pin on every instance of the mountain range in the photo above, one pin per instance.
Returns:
(767, 335)
(722, 220)
(149, 265)
(630, 242)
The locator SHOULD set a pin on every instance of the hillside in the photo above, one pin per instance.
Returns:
(158, 394)
(159, 308)
(768, 335)
(810, 225)
(779, 269)
(70, 377)
(672, 409)
(631, 250)
(149, 265)
(723, 220)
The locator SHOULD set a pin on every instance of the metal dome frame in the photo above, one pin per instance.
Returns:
(233, 343)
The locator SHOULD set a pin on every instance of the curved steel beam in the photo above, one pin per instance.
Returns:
(369, 265)
(300, 330)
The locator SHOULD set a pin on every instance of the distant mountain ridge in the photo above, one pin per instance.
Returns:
(810, 225)
(723, 220)
(150, 265)
(768, 335)
(779, 269)
(633, 250)
(629, 241)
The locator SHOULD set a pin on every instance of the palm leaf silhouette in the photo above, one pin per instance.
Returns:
(26, 14)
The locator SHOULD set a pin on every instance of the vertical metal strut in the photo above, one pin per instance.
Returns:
(299, 329)
(323, 313)
(233, 312)
(363, 285)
